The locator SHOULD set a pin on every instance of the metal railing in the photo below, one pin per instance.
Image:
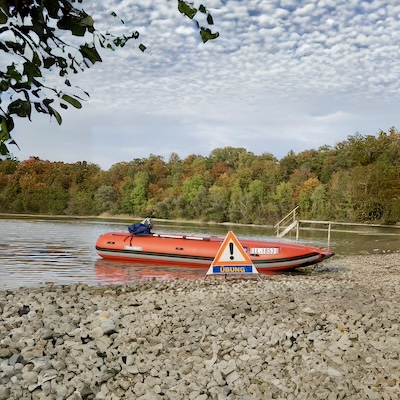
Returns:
(287, 223)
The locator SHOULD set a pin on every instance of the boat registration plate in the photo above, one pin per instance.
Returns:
(134, 248)
(264, 250)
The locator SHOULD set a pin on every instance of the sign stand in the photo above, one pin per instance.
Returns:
(231, 259)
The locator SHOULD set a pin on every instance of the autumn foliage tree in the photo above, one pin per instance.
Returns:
(357, 180)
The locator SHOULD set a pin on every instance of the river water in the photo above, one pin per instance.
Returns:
(35, 251)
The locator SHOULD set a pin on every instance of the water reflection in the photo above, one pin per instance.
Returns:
(118, 272)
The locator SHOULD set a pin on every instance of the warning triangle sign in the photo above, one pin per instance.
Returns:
(231, 258)
(231, 252)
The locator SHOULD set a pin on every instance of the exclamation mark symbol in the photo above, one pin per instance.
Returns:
(231, 250)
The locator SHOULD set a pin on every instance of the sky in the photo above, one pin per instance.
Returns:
(284, 75)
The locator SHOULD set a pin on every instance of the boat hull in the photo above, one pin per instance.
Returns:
(198, 251)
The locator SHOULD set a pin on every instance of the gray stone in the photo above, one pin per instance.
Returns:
(290, 337)
(5, 393)
(313, 335)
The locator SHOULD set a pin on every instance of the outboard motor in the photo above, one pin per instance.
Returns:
(148, 222)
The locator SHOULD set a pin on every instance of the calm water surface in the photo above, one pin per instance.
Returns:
(36, 251)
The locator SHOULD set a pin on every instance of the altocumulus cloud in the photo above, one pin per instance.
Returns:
(283, 75)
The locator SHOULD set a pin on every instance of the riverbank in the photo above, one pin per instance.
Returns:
(311, 224)
(331, 335)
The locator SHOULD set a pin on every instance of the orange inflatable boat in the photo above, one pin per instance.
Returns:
(198, 251)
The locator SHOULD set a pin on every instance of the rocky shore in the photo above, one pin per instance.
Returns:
(328, 335)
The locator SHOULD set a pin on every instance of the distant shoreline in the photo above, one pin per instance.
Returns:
(125, 218)
(129, 218)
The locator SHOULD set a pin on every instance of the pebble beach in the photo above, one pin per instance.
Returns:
(325, 335)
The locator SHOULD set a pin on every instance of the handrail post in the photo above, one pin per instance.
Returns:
(329, 235)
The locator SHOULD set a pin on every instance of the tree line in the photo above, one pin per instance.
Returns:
(357, 180)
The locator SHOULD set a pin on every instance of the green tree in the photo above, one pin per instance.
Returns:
(239, 208)
(80, 203)
(218, 202)
(106, 199)
(173, 179)
(319, 203)
(229, 155)
(139, 193)
(284, 198)
(341, 195)
(126, 187)
(289, 164)
(256, 197)
(43, 37)
(306, 190)
(194, 194)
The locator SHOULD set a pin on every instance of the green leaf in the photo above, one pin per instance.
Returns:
(16, 47)
(3, 149)
(39, 24)
(36, 60)
(72, 101)
(3, 17)
(22, 108)
(31, 70)
(90, 53)
(4, 133)
(207, 35)
(51, 110)
(14, 142)
(78, 30)
(37, 83)
(61, 62)
(187, 9)
(120, 41)
(4, 48)
(13, 73)
(4, 85)
(64, 23)
(53, 8)
(87, 21)
(4, 5)
(49, 62)
(22, 85)
(56, 115)
(72, 24)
